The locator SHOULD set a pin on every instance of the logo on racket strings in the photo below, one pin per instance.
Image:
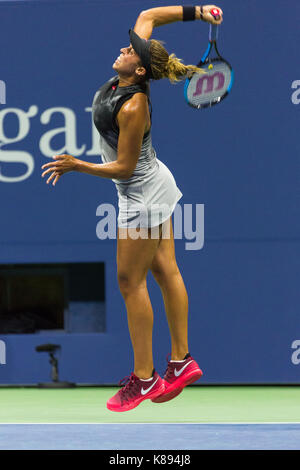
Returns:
(214, 82)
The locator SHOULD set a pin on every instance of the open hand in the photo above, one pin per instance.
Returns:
(62, 164)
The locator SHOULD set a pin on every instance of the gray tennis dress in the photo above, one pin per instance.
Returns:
(149, 196)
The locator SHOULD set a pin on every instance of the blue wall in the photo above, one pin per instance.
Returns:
(240, 159)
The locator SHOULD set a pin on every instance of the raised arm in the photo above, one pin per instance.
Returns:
(160, 16)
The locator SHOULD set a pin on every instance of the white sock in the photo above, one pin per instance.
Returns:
(147, 380)
(179, 361)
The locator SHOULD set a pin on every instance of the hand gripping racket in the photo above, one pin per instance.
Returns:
(210, 88)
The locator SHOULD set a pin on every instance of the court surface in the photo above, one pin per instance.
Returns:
(221, 417)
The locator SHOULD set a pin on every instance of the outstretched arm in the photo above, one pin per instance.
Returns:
(160, 16)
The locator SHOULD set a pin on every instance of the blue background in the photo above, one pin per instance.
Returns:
(240, 159)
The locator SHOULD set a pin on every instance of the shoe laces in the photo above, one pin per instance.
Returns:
(130, 387)
(169, 370)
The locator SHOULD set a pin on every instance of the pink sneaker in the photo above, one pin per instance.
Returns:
(178, 375)
(135, 391)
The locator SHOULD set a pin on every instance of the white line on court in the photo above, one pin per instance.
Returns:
(164, 424)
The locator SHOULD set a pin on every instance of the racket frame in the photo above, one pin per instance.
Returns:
(213, 34)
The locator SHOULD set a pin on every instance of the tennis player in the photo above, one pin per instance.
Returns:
(147, 195)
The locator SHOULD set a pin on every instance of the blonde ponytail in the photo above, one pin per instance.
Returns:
(168, 66)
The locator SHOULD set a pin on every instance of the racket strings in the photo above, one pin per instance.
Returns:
(209, 88)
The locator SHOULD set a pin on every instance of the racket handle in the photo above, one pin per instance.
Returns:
(213, 32)
(215, 12)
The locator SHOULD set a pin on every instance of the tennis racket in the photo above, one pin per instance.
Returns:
(210, 88)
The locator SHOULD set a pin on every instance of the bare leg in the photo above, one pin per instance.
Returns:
(165, 271)
(134, 258)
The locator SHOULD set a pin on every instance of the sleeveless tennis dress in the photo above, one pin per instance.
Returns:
(148, 198)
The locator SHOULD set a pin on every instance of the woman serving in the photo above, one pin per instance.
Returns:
(147, 194)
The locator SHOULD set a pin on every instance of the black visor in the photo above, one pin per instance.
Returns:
(142, 48)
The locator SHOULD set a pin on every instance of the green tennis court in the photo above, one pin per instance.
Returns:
(202, 418)
(197, 404)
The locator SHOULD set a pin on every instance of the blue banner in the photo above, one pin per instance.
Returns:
(237, 165)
